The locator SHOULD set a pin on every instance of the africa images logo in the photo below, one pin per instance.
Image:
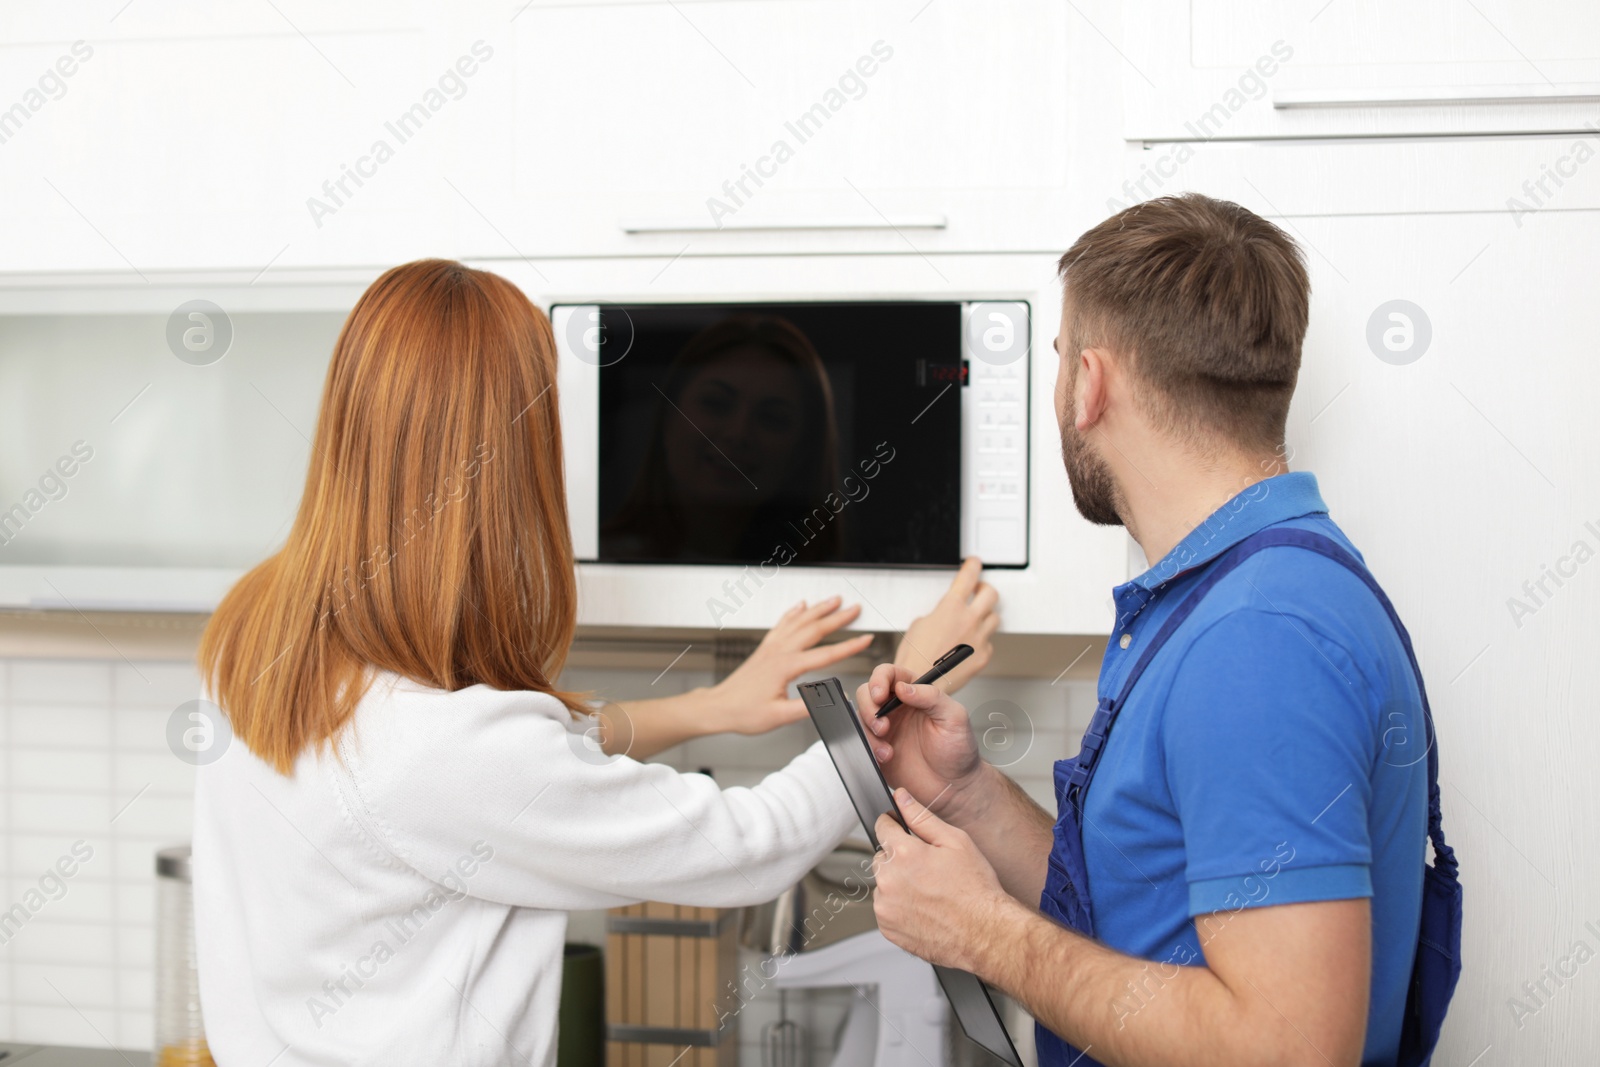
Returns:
(1539, 591)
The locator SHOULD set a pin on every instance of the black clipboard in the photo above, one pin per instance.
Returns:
(836, 720)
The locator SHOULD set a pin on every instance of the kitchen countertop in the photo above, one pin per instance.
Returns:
(62, 1056)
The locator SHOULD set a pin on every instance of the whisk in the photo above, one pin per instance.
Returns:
(782, 1042)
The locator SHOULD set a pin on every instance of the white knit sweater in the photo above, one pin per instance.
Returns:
(406, 902)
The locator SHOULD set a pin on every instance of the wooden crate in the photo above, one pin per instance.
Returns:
(670, 972)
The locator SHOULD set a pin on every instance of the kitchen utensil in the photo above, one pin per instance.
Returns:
(180, 1034)
(832, 902)
(783, 1043)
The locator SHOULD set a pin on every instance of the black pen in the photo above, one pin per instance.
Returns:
(941, 667)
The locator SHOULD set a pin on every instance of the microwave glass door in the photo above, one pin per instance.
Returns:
(810, 433)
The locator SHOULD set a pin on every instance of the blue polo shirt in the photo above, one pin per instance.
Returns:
(1272, 753)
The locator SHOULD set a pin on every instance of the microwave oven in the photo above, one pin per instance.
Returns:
(848, 433)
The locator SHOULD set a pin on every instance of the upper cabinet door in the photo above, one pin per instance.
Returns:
(793, 125)
(181, 135)
(1202, 70)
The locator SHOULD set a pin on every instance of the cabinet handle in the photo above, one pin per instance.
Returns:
(892, 222)
(1436, 96)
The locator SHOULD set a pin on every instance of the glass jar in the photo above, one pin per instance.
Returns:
(180, 1032)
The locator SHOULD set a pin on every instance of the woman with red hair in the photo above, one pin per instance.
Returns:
(383, 867)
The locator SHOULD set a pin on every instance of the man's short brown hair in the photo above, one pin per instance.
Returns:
(1208, 303)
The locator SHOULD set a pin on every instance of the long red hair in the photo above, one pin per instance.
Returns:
(432, 538)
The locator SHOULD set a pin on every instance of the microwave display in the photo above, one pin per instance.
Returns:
(781, 433)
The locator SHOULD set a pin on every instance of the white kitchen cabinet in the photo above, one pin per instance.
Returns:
(1236, 69)
(298, 135)
(196, 136)
(730, 127)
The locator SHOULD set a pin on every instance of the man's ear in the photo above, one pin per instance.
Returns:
(1090, 390)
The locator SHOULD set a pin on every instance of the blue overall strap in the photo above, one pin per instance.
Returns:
(1444, 855)
(1106, 713)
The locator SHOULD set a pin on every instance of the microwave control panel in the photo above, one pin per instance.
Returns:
(996, 348)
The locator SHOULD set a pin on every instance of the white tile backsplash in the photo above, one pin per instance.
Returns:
(32, 854)
(155, 817)
(136, 988)
(61, 1024)
(161, 686)
(143, 729)
(84, 900)
(132, 859)
(60, 681)
(50, 940)
(57, 811)
(734, 751)
(36, 725)
(136, 902)
(136, 1029)
(84, 987)
(52, 769)
(136, 946)
(135, 770)
(86, 760)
